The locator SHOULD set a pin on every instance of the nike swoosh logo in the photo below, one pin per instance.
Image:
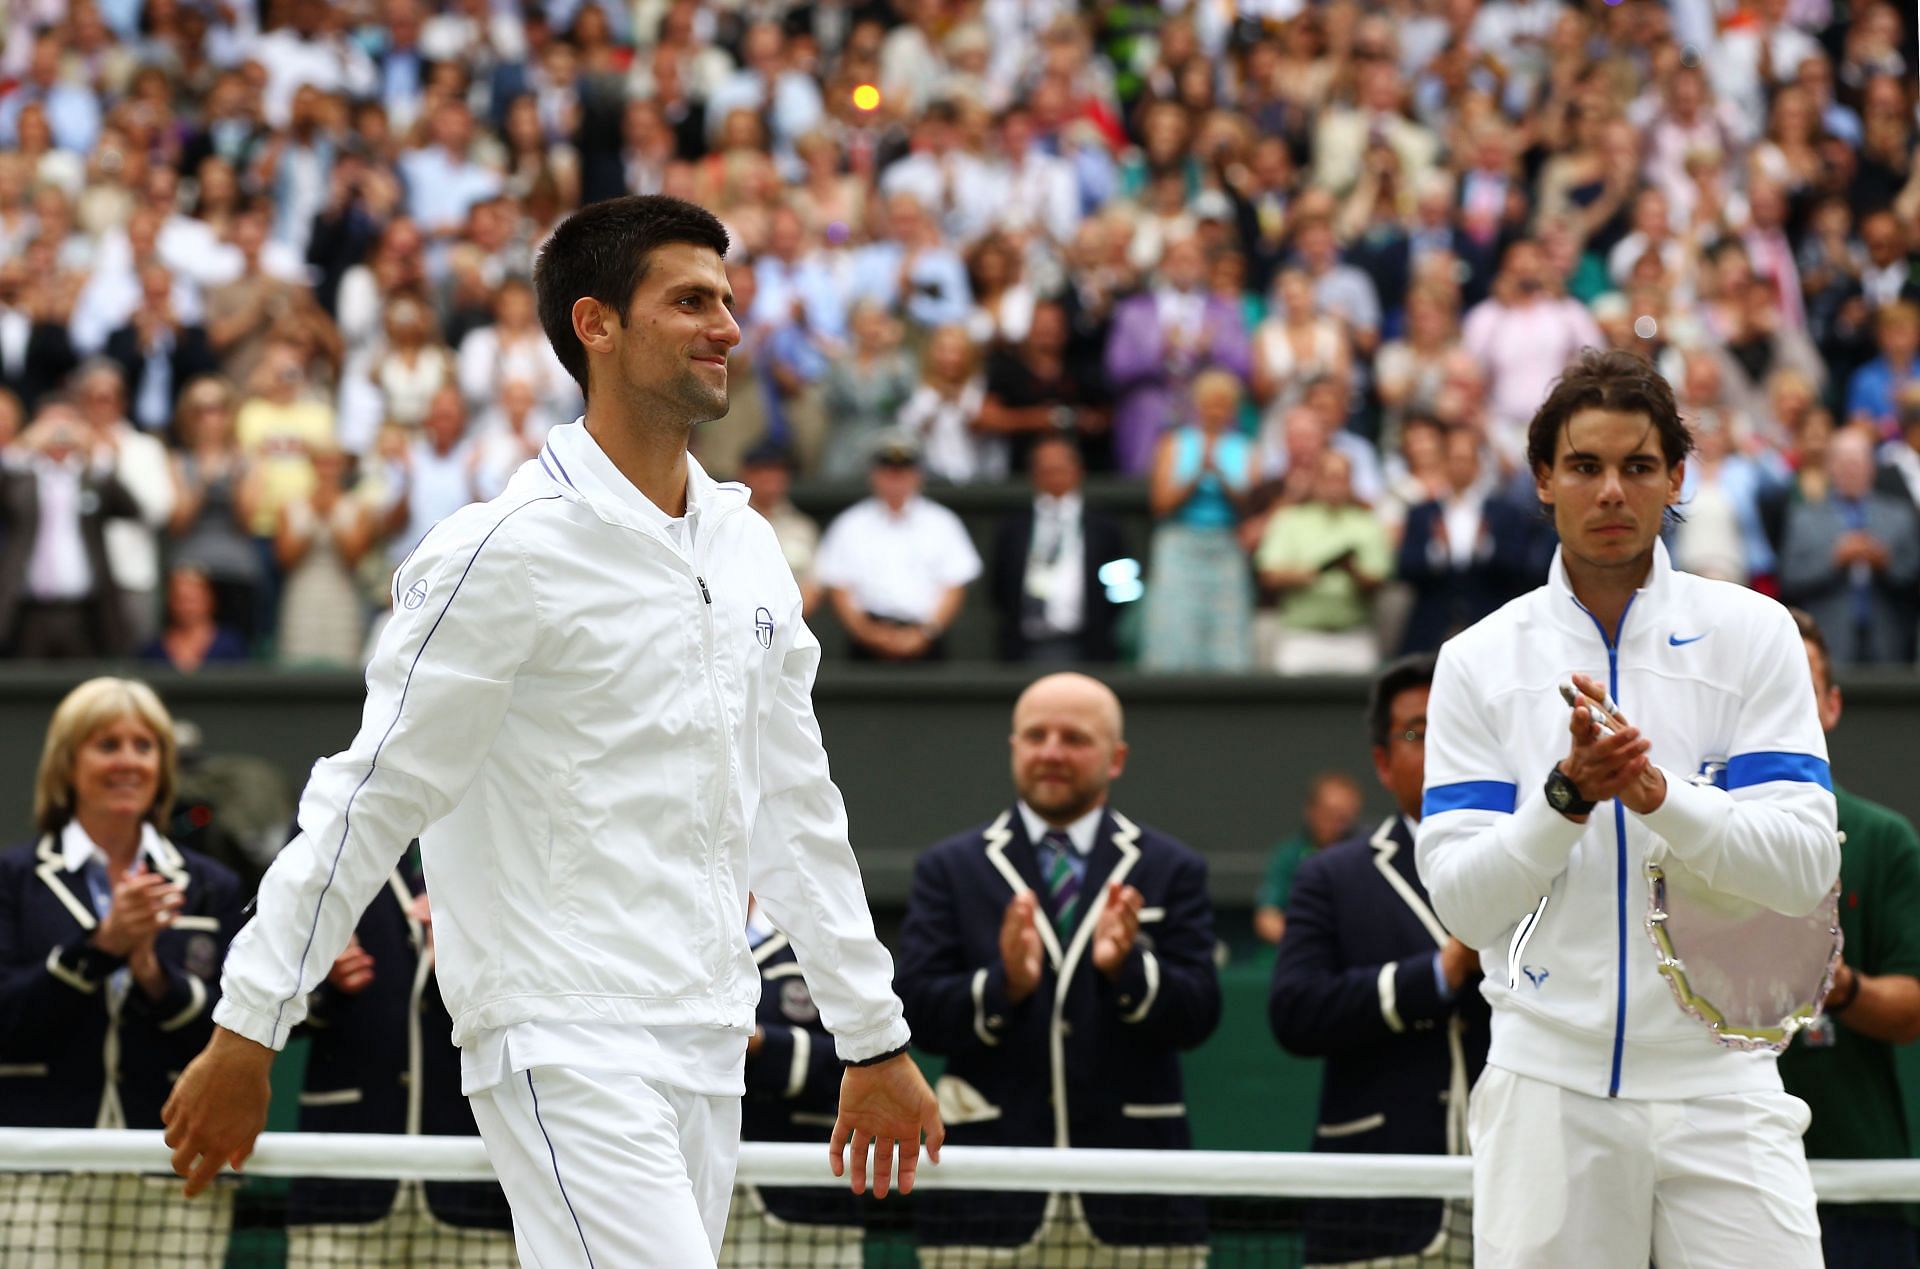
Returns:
(1678, 642)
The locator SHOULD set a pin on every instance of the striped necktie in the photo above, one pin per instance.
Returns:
(1060, 864)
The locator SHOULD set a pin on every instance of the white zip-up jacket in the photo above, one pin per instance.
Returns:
(602, 742)
(1711, 673)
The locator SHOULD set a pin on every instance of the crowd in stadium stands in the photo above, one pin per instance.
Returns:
(1301, 272)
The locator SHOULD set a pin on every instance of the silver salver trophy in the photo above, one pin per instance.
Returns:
(1752, 976)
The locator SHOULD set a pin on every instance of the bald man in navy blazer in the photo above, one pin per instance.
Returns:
(1061, 958)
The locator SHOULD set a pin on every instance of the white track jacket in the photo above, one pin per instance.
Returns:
(602, 742)
(1711, 673)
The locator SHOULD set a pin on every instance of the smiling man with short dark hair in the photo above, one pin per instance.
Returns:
(593, 707)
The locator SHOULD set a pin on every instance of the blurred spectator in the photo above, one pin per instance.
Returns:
(1296, 343)
(767, 472)
(1341, 290)
(1523, 336)
(507, 435)
(1876, 385)
(768, 84)
(268, 297)
(141, 465)
(862, 392)
(278, 424)
(1199, 595)
(111, 958)
(71, 109)
(1034, 389)
(1843, 1065)
(943, 414)
(1900, 459)
(35, 353)
(1001, 976)
(413, 366)
(383, 1060)
(1331, 814)
(1409, 372)
(57, 594)
(1049, 559)
(952, 185)
(1161, 340)
(1366, 975)
(1376, 110)
(190, 637)
(1757, 346)
(1002, 299)
(321, 538)
(1851, 559)
(513, 348)
(1465, 553)
(896, 565)
(443, 182)
(440, 474)
(912, 269)
(157, 353)
(1722, 535)
(1325, 556)
(213, 503)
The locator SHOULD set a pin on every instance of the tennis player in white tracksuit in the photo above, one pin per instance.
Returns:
(596, 717)
(1609, 1125)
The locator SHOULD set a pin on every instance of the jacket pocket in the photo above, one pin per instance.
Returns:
(334, 1097)
(961, 1103)
(1352, 1128)
(22, 1070)
(1155, 1110)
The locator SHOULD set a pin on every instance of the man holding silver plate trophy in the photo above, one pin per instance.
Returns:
(1628, 812)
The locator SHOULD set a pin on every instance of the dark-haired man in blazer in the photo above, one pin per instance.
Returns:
(1061, 958)
(1368, 978)
(1047, 558)
(57, 596)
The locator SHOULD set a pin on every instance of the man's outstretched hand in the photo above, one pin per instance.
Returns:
(218, 1107)
(886, 1106)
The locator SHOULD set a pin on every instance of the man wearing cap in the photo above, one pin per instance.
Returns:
(896, 566)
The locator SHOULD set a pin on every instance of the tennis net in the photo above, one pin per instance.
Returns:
(76, 1199)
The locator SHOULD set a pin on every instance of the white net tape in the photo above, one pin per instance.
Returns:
(1213, 1173)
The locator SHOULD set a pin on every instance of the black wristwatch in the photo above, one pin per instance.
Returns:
(1564, 796)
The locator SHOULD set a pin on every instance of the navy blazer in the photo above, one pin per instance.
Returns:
(793, 1085)
(1354, 983)
(64, 1042)
(1447, 599)
(1083, 1061)
(370, 1050)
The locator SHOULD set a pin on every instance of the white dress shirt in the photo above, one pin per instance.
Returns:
(57, 571)
(897, 565)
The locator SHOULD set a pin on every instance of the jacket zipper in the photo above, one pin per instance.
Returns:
(1620, 859)
(726, 757)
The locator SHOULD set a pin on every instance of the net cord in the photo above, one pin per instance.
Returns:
(1200, 1172)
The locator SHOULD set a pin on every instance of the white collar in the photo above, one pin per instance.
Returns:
(77, 848)
(759, 929)
(1080, 832)
(586, 462)
(1067, 505)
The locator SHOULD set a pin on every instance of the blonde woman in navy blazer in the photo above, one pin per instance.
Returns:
(111, 940)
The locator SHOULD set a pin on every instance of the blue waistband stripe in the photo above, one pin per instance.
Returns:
(1471, 795)
(1744, 769)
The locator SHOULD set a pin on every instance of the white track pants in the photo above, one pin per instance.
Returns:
(609, 1171)
(1560, 1178)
